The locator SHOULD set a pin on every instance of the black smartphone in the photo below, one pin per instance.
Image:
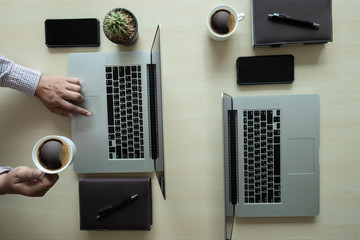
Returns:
(265, 69)
(81, 32)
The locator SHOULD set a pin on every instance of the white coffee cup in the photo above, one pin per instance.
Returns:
(237, 18)
(68, 147)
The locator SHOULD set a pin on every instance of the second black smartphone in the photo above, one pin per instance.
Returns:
(265, 69)
(81, 32)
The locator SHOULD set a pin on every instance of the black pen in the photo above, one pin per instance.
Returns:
(288, 19)
(110, 208)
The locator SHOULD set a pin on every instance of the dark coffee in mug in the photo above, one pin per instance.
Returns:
(222, 21)
(53, 154)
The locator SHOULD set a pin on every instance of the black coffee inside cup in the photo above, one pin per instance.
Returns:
(220, 21)
(49, 154)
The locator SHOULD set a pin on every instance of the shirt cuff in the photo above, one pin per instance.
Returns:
(18, 77)
(5, 169)
(24, 79)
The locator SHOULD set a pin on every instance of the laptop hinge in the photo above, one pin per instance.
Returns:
(233, 152)
(153, 111)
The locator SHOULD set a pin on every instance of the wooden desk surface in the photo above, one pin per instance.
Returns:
(196, 70)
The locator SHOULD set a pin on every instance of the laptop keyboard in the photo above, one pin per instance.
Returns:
(262, 156)
(125, 113)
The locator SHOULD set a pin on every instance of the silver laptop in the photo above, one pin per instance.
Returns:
(271, 156)
(123, 92)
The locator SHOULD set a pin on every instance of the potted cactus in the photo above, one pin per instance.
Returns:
(120, 26)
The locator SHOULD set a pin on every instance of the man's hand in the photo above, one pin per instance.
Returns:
(59, 95)
(25, 181)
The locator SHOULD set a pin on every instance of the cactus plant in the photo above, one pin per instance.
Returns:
(120, 26)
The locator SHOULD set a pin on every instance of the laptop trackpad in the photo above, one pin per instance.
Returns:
(300, 155)
(92, 123)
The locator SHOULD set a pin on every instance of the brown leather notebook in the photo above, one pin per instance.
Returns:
(269, 32)
(115, 203)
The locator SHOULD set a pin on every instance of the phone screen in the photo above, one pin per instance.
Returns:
(72, 32)
(265, 69)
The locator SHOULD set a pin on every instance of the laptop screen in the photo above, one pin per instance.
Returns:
(155, 55)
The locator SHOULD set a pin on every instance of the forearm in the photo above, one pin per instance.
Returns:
(17, 77)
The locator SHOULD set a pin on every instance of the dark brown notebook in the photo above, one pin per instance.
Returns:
(96, 195)
(267, 32)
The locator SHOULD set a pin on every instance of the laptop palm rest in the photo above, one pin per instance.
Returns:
(90, 124)
(301, 156)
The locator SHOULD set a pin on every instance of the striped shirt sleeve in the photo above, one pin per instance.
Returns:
(18, 77)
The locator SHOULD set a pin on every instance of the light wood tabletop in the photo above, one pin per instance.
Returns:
(196, 70)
